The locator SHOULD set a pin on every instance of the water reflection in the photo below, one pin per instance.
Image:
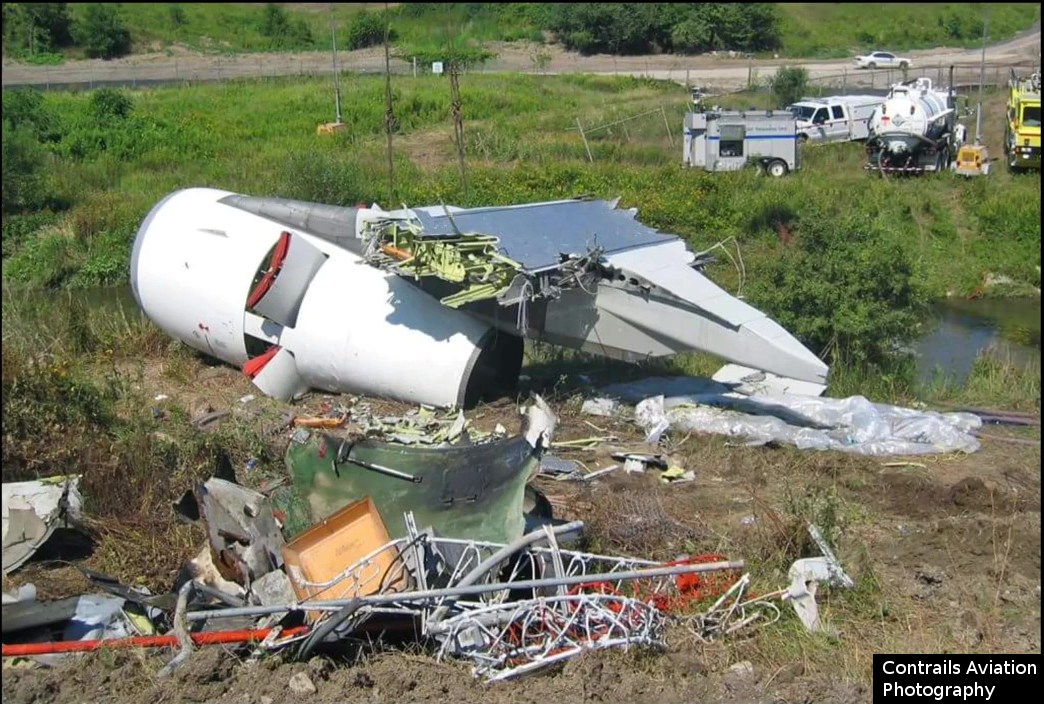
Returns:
(1008, 330)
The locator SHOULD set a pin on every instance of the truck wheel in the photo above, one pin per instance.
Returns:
(776, 168)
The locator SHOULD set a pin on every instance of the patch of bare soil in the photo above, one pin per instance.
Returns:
(945, 552)
(215, 676)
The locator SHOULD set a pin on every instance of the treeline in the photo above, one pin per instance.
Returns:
(42, 31)
(633, 28)
(35, 29)
(684, 28)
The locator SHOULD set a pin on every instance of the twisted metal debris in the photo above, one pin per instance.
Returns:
(510, 609)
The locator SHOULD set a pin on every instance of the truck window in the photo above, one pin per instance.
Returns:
(1031, 116)
(802, 112)
(732, 138)
(820, 117)
(838, 112)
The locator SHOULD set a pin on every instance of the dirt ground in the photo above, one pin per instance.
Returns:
(713, 71)
(944, 550)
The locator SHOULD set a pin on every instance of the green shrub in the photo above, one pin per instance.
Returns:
(789, 85)
(101, 32)
(847, 289)
(367, 29)
(23, 177)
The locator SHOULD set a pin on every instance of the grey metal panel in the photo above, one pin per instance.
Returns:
(332, 223)
(537, 235)
(283, 300)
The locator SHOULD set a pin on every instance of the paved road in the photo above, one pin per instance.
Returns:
(714, 72)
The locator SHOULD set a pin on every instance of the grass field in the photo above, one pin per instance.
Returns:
(944, 550)
(838, 29)
(521, 144)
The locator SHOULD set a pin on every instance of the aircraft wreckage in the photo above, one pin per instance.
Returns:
(430, 305)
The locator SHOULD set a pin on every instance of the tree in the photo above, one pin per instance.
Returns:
(367, 29)
(789, 84)
(33, 28)
(101, 32)
(283, 33)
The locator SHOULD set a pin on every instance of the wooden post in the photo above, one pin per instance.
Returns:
(584, 137)
(389, 115)
(458, 123)
(667, 125)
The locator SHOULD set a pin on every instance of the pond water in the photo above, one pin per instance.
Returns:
(959, 332)
(1008, 330)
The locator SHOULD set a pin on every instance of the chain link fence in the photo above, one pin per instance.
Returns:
(140, 73)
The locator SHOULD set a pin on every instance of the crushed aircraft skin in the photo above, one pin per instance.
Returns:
(468, 490)
(474, 491)
(32, 511)
(305, 295)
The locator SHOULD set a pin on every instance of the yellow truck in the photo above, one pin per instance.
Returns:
(1022, 134)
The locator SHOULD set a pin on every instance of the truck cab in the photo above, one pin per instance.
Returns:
(1022, 132)
(836, 119)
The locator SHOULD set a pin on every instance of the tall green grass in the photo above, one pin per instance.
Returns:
(842, 29)
(521, 142)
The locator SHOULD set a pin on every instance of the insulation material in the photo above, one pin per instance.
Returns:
(853, 424)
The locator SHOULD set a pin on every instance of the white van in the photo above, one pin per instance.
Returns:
(841, 118)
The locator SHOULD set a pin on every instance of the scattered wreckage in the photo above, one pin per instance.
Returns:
(351, 300)
(442, 545)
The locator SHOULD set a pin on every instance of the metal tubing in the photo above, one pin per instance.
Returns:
(167, 641)
(377, 599)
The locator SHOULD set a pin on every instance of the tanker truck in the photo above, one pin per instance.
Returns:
(913, 131)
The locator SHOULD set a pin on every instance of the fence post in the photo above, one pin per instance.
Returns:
(687, 84)
(667, 125)
(584, 137)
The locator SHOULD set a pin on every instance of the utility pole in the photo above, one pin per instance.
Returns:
(982, 74)
(389, 115)
(337, 74)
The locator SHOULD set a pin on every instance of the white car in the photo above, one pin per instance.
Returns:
(882, 59)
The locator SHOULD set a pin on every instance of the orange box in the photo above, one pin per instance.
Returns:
(327, 549)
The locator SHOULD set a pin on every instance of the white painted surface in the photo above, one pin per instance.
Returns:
(358, 329)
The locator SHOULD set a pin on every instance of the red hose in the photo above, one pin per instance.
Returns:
(205, 638)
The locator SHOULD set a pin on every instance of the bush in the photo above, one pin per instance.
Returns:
(101, 32)
(23, 157)
(789, 85)
(109, 104)
(281, 32)
(367, 29)
(24, 107)
(848, 289)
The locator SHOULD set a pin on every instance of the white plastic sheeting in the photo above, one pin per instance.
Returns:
(852, 424)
